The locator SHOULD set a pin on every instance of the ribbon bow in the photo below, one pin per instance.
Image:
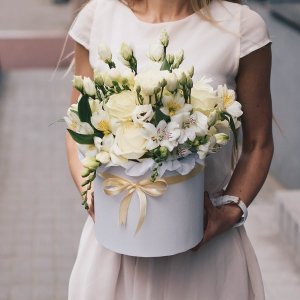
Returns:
(114, 185)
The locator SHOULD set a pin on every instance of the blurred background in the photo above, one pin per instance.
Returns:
(40, 213)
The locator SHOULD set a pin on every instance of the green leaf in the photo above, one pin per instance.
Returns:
(85, 139)
(84, 109)
(159, 115)
(165, 66)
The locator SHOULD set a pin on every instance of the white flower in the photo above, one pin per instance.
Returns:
(87, 150)
(203, 150)
(130, 142)
(164, 38)
(104, 53)
(102, 122)
(173, 105)
(149, 81)
(142, 113)
(156, 52)
(203, 97)
(121, 106)
(95, 105)
(89, 86)
(221, 138)
(191, 125)
(128, 76)
(78, 82)
(126, 52)
(190, 71)
(98, 78)
(172, 81)
(179, 57)
(104, 146)
(235, 109)
(111, 75)
(74, 123)
(230, 104)
(165, 134)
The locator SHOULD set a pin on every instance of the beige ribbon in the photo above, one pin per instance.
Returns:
(114, 185)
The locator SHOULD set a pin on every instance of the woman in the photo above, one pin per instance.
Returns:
(229, 43)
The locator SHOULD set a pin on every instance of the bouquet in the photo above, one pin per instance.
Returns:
(154, 116)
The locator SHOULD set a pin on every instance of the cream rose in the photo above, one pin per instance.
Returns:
(203, 98)
(121, 106)
(129, 141)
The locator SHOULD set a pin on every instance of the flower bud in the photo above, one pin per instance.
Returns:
(164, 152)
(86, 172)
(191, 71)
(78, 82)
(90, 163)
(89, 86)
(126, 52)
(164, 38)
(221, 138)
(172, 82)
(104, 53)
(98, 77)
(179, 59)
(156, 52)
(170, 58)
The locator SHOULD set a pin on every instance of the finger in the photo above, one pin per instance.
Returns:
(207, 203)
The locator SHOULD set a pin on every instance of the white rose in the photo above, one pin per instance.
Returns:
(89, 86)
(121, 106)
(129, 141)
(156, 52)
(142, 113)
(203, 98)
(104, 53)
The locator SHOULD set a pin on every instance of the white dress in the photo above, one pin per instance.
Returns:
(226, 268)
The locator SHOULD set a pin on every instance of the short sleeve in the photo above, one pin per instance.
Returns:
(253, 30)
(81, 28)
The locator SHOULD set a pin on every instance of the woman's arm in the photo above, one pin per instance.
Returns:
(253, 91)
(82, 67)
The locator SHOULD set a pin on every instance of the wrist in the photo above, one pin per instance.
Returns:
(237, 208)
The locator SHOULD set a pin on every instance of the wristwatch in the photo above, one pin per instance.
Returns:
(228, 199)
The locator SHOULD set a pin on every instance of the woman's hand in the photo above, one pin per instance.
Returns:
(218, 219)
(90, 203)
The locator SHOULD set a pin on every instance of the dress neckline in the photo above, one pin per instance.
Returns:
(138, 20)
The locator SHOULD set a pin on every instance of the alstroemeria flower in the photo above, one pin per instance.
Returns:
(173, 105)
(192, 125)
(104, 148)
(165, 134)
(228, 96)
(74, 123)
(142, 113)
(102, 122)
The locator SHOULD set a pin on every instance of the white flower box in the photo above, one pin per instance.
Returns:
(173, 222)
